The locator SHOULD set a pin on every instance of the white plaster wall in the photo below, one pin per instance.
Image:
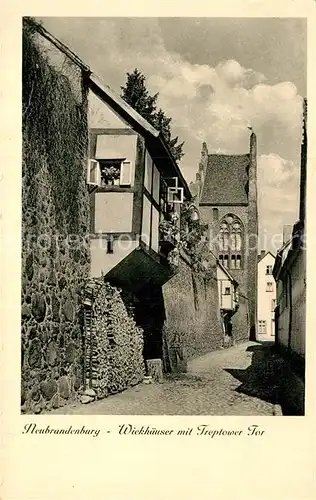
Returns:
(101, 261)
(225, 301)
(113, 212)
(298, 305)
(116, 146)
(264, 311)
(100, 115)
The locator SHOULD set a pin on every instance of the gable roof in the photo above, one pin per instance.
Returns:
(226, 180)
(261, 257)
(118, 105)
(155, 141)
(281, 258)
(223, 268)
(227, 273)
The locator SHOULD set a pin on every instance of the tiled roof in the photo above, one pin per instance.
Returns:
(226, 179)
(260, 257)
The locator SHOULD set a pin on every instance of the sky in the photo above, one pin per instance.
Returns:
(215, 77)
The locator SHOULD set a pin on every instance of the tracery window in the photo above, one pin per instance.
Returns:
(230, 242)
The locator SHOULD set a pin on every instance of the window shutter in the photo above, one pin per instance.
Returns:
(126, 173)
(93, 173)
(172, 192)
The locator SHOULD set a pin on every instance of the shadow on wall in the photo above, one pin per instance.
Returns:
(150, 316)
(193, 324)
(266, 379)
(180, 320)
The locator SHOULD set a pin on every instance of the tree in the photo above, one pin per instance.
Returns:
(135, 93)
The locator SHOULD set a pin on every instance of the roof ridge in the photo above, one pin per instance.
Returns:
(229, 155)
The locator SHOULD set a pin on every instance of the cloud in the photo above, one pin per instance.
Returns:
(214, 104)
(278, 194)
(235, 75)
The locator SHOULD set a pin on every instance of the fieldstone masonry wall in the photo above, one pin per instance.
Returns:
(193, 326)
(55, 223)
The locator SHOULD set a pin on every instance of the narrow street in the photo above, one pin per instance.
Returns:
(234, 381)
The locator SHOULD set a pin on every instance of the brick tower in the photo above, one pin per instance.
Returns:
(226, 190)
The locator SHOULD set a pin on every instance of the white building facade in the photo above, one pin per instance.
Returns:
(266, 297)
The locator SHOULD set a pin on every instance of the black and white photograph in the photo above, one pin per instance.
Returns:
(164, 165)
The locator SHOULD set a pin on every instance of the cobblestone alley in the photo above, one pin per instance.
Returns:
(234, 381)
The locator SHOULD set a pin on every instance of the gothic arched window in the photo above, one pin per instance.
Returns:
(230, 242)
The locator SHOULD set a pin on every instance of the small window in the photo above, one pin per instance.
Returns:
(269, 270)
(273, 303)
(109, 245)
(262, 327)
(269, 286)
(215, 214)
(227, 290)
(226, 261)
(238, 261)
(115, 172)
(233, 262)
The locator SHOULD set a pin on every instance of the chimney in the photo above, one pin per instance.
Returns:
(287, 233)
(263, 252)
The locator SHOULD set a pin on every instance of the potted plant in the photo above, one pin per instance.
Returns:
(111, 175)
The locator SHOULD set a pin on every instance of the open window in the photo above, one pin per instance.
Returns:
(115, 172)
(93, 173)
(175, 194)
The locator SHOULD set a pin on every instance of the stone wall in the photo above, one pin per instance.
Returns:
(192, 326)
(113, 342)
(55, 224)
